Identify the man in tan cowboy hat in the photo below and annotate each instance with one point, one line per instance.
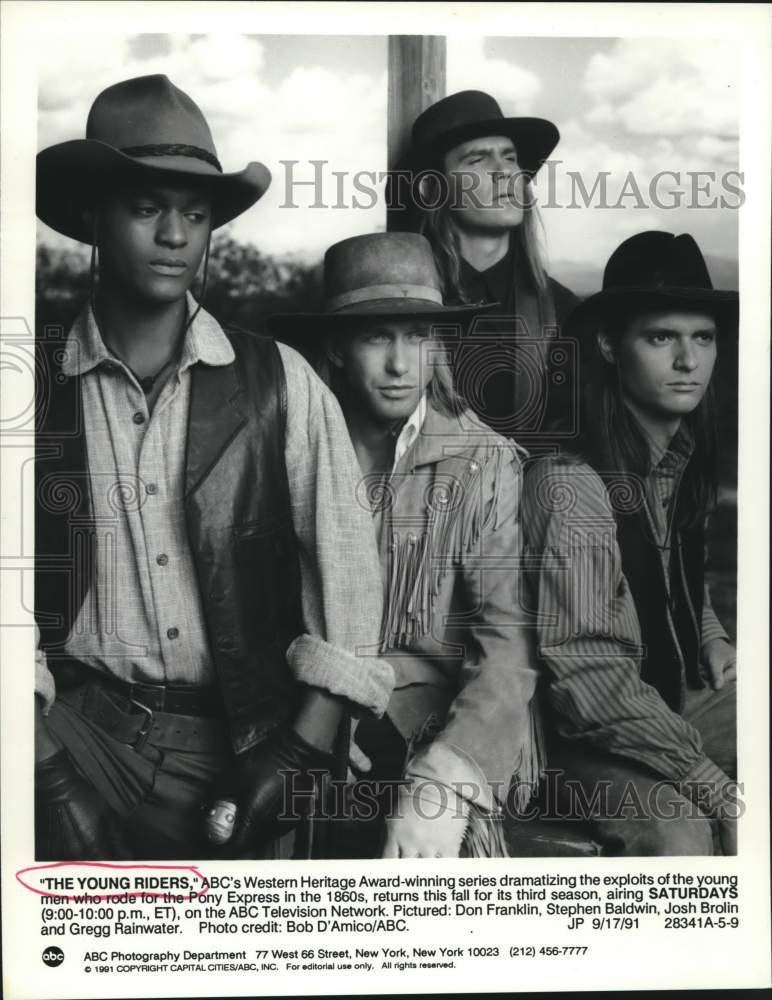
(471, 172)
(197, 522)
(444, 492)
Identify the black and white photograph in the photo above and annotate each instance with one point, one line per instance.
(380, 430)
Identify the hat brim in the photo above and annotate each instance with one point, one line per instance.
(68, 172)
(533, 138)
(301, 325)
(724, 304)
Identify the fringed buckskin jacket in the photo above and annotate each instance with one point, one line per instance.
(454, 625)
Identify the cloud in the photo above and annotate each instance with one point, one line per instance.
(587, 229)
(223, 57)
(646, 106)
(312, 112)
(469, 68)
(665, 87)
(718, 149)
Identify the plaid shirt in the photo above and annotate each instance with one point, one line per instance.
(143, 617)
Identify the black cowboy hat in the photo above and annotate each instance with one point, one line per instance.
(471, 114)
(143, 124)
(653, 269)
(378, 276)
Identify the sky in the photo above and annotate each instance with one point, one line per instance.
(622, 105)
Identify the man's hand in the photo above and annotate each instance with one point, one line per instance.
(72, 823)
(272, 780)
(45, 688)
(357, 758)
(430, 822)
(720, 660)
(727, 833)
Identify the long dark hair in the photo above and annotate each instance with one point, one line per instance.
(613, 441)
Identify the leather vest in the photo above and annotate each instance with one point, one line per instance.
(238, 517)
(670, 616)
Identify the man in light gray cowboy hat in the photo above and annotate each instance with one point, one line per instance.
(204, 573)
(444, 490)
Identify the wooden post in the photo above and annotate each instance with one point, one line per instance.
(416, 80)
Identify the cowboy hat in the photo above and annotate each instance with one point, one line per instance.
(652, 269)
(378, 276)
(471, 114)
(139, 125)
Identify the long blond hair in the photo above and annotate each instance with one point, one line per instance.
(440, 391)
(526, 241)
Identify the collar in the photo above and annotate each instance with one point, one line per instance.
(205, 341)
(440, 436)
(495, 281)
(677, 453)
(410, 430)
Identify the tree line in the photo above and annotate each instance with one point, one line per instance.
(243, 286)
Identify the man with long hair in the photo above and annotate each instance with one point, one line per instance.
(196, 517)
(470, 193)
(444, 492)
(642, 692)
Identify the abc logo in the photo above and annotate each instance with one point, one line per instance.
(53, 956)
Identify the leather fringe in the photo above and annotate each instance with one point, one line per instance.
(484, 834)
(419, 563)
(531, 761)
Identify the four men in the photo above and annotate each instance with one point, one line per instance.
(238, 568)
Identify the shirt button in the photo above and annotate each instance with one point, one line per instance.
(172, 633)
(138, 418)
(151, 488)
(162, 560)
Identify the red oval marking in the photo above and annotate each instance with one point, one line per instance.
(109, 893)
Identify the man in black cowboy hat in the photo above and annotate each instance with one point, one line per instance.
(444, 491)
(471, 171)
(642, 691)
(196, 518)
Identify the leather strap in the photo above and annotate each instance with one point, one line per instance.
(129, 721)
(199, 701)
(204, 701)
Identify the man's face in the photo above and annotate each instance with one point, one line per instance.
(386, 364)
(665, 361)
(488, 191)
(152, 237)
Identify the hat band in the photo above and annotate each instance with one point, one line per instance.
(371, 292)
(173, 149)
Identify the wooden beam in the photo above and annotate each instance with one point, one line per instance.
(416, 80)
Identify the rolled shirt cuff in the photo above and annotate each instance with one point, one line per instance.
(447, 764)
(365, 681)
(710, 788)
(712, 629)
(45, 686)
